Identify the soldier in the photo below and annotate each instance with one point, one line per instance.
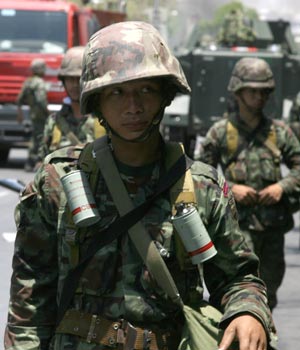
(294, 116)
(34, 94)
(236, 30)
(250, 147)
(68, 126)
(81, 282)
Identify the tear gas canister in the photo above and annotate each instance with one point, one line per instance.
(80, 198)
(193, 233)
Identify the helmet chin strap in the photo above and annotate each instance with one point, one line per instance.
(147, 133)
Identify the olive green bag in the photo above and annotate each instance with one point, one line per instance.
(201, 329)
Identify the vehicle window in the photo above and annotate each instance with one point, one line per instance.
(93, 26)
(33, 31)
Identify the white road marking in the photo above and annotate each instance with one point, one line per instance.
(9, 236)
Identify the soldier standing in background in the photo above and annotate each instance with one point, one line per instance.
(118, 301)
(250, 147)
(34, 94)
(236, 30)
(68, 126)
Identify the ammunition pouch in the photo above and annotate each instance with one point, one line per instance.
(118, 334)
(277, 217)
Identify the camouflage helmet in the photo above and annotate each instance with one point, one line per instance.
(71, 64)
(252, 73)
(127, 51)
(38, 66)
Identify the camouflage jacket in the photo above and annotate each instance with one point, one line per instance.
(116, 283)
(83, 129)
(236, 30)
(34, 94)
(255, 165)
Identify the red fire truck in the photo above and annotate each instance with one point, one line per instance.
(38, 29)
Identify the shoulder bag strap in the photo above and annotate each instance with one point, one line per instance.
(138, 234)
(109, 234)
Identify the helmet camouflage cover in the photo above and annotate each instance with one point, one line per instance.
(252, 73)
(71, 64)
(38, 66)
(127, 51)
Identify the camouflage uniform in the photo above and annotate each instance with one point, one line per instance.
(236, 30)
(116, 284)
(294, 116)
(34, 94)
(83, 128)
(252, 163)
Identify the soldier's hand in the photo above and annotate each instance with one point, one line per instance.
(245, 195)
(248, 331)
(270, 195)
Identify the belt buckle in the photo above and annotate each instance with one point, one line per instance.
(130, 335)
(91, 333)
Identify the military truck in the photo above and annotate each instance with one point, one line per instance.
(208, 70)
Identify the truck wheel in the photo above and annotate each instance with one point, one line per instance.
(4, 152)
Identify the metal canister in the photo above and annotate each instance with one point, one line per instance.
(80, 198)
(193, 234)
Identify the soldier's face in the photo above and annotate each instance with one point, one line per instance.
(253, 99)
(130, 107)
(72, 88)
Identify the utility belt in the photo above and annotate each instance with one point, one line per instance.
(118, 334)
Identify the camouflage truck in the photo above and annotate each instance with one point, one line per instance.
(208, 70)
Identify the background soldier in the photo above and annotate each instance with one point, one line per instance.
(69, 126)
(250, 147)
(34, 94)
(236, 30)
(119, 301)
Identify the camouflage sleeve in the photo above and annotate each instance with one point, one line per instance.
(44, 148)
(231, 276)
(21, 98)
(40, 94)
(209, 152)
(32, 305)
(290, 150)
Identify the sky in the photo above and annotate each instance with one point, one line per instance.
(286, 8)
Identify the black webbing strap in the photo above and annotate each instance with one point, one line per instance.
(118, 227)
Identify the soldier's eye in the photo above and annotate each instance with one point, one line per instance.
(116, 91)
(148, 89)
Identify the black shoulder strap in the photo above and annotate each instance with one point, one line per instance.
(109, 234)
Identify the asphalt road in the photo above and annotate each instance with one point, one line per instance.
(286, 314)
